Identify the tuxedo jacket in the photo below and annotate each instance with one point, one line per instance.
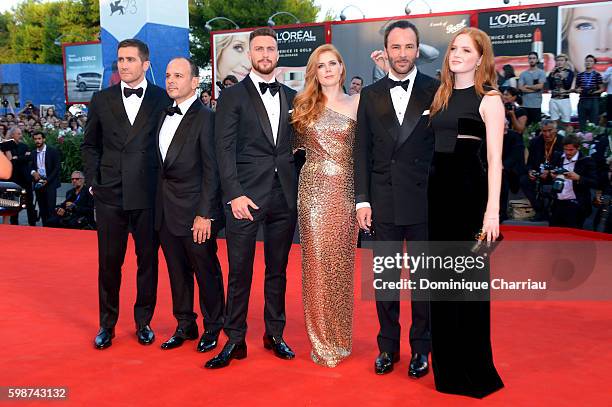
(585, 167)
(247, 155)
(52, 165)
(188, 183)
(120, 159)
(391, 160)
(22, 165)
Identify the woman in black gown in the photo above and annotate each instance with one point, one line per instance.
(467, 116)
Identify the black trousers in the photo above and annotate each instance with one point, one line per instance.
(278, 225)
(388, 308)
(31, 211)
(184, 258)
(114, 224)
(46, 198)
(567, 213)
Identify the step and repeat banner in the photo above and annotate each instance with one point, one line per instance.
(295, 44)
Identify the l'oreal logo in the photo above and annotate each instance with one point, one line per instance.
(301, 35)
(523, 18)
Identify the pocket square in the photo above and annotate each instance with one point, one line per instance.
(425, 113)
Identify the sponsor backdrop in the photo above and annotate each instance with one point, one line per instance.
(162, 24)
(586, 29)
(435, 34)
(515, 33)
(83, 70)
(295, 45)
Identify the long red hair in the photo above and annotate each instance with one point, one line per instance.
(485, 78)
(310, 102)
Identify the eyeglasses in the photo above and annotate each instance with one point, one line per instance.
(76, 179)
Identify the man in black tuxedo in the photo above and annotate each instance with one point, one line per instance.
(46, 175)
(188, 211)
(21, 158)
(121, 166)
(258, 178)
(393, 153)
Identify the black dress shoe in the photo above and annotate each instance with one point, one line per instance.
(278, 345)
(145, 335)
(230, 351)
(384, 362)
(208, 342)
(419, 365)
(103, 338)
(180, 336)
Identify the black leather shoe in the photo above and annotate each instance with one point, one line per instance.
(208, 342)
(103, 338)
(278, 345)
(145, 335)
(180, 336)
(384, 362)
(419, 365)
(230, 351)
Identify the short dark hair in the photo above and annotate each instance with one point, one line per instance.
(573, 140)
(591, 56)
(357, 77)
(195, 71)
(533, 53)
(263, 31)
(231, 78)
(37, 132)
(143, 49)
(404, 25)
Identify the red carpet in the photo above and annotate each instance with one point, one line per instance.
(551, 354)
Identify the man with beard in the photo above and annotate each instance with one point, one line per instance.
(531, 83)
(393, 151)
(45, 175)
(258, 178)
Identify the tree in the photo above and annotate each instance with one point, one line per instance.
(246, 13)
(32, 28)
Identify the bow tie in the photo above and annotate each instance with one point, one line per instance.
(127, 92)
(170, 111)
(404, 84)
(274, 87)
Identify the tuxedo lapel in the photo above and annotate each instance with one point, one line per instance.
(414, 110)
(116, 105)
(260, 109)
(284, 116)
(386, 112)
(176, 145)
(160, 123)
(144, 113)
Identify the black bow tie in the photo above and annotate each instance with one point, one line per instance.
(127, 92)
(404, 84)
(170, 111)
(274, 87)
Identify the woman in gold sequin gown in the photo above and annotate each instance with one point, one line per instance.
(324, 120)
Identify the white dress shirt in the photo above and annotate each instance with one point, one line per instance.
(271, 103)
(132, 104)
(171, 124)
(40, 161)
(400, 99)
(568, 187)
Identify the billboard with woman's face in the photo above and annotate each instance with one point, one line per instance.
(586, 29)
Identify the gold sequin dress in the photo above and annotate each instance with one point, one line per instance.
(328, 235)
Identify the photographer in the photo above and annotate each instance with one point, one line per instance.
(560, 83)
(573, 177)
(516, 115)
(45, 174)
(589, 84)
(543, 150)
(602, 156)
(77, 211)
(513, 160)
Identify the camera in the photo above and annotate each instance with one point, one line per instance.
(40, 183)
(220, 85)
(509, 106)
(5, 103)
(543, 167)
(559, 181)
